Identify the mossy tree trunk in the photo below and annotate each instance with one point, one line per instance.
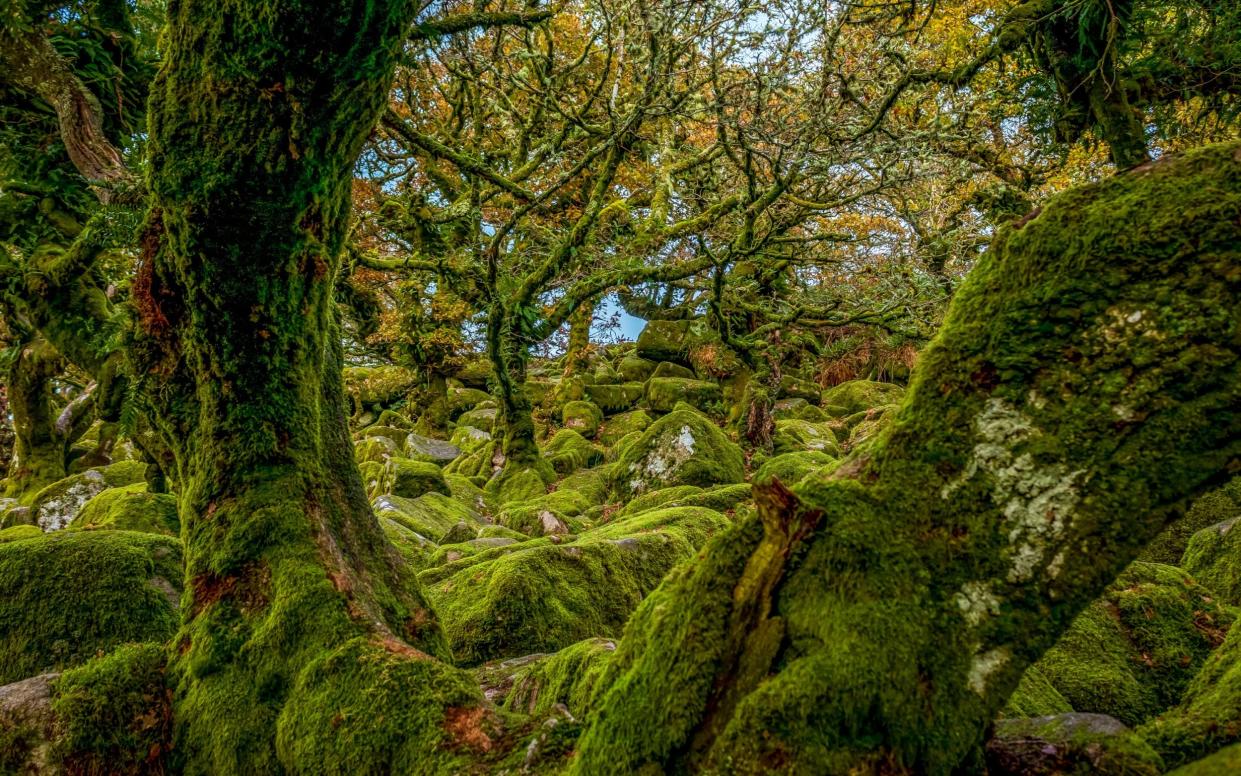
(577, 353)
(1086, 383)
(255, 119)
(509, 353)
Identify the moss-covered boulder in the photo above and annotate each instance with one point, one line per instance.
(664, 393)
(515, 484)
(393, 419)
(635, 369)
(1213, 557)
(589, 484)
(391, 433)
(436, 451)
(569, 451)
(681, 448)
(459, 399)
(374, 449)
(431, 515)
(582, 416)
(791, 467)
(411, 479)
(1035, 696)
(66, 596)
(568, 677)
(1218, 506)
(796, 436)
(1208, 716)
(114, 713)
(669, 369)
(619, 426)
(55, 506)
(540, 596)
(1069, 744)
(483, 418)
(131, 508)
(371, 386)
(1131, 653)
(19, 532)
(665, 341)
(617, 397)
(792, 386)
(859, 395)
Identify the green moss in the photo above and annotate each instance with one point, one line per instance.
(1070, 743)
(540, 596)
(1208, 716)
(393, 419)
(569, 677)
(1132, 653)
(582, 416)
(665, 341)
(367, 707)
(483, 419)
(19, 532)
(795, 436)
(55, 506)
(372, 477)
(1213, 557)
(791, 467)
(663, 393)
(569, 451)
(461, 399)
(667, 369)
(681, 448)
(421, 448)
(1035, 697)
(590, 484)
(411, 479)
(858, 396)
(374, 449)
(1225, 761)
(614, 398)
(394, 435)
(66, 596)
(370, 386)
(114, 713)
(131, 508)
(635, 369)
(655, 499)
(415, 548)
(431, 515)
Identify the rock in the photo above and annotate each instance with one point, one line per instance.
(859, 395)
(369, 386)
(68, 595)
(391, 433)
(634, 369)
(669, 369)
(431, 516)
(664, 393)
(1069, 744)
(568, 677)
(618, 426)
(1035, 697)
(681, 448)
(436, 451)
(569, 451)
(605, 374)
(484, 418)
(789, 408)
(792, 386)
(539, 390)
(798, 436)
(791, 467)
(582, 416)
(55, 506)
(374, 449)
(615, 398)
(131, 508)
(411, 479)
(393, 419)
(28, 726)
(513, 485)
(460, 532)
(500, 532)
(475, 373)
(460, 399)
(665, 341)
(589, 484)
(540, 596)
(1131, 653)
(1208, 716)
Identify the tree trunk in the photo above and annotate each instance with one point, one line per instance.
(298, 614)
(1086, 383)
(506, 347)
(577, 354)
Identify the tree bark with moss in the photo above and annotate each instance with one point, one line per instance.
(1086, 383)
(299, 619)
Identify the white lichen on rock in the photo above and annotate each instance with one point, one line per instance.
(977, 601)
(983, 665)
(56, 512)
(664, 458)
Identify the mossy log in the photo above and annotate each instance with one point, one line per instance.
(1086, 383)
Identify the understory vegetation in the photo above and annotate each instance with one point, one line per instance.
(620, 386)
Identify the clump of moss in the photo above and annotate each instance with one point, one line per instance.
(569, 677)
(1035, 696)
(619, 426)
(795, 436)
(18, 532)
(582, 416)
(791, 467)
(367, 707)
(1226, 760)
(663, 393)
(615, 398)
(431, 515)
(114, 713)
(1069, 744)
(515, 484)
(55, 506)
(131, 508)
(1209, 714)
(66, 596)
(370, 386)
(681, 448)
(374, 449)
(1131, 653)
